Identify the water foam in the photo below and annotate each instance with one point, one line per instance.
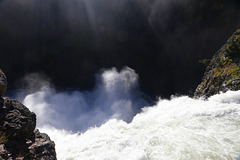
(181, 128)
(116, 96)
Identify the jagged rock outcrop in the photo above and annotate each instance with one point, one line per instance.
(223, 72)
(18, 137)
(42, 148)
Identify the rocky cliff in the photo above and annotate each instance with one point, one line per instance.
(223, 71)
(18, 137)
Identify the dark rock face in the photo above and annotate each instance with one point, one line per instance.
(15, 119)
(18, 139)
(223, 72)
(3, 83)
(43, 147)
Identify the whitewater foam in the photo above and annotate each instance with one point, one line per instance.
(178, 129)
(181, 128)
(115, 96)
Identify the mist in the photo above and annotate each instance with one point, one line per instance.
(116, 96)
(69, 41)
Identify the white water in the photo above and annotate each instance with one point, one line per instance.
(178, 129)
(115, 96)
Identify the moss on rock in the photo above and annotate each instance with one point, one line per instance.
(223, 72)
(232, 49)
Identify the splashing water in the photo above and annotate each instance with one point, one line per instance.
(116, 96)
(181, 128)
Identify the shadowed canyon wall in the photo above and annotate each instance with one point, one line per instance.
(70, 41)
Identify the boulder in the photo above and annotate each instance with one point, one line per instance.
(15, 119)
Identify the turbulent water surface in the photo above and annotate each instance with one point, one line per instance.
(181, 128)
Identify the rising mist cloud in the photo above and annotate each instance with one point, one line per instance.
(116, 96)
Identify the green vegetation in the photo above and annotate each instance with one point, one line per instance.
(236, 73)
(228, 83)
(229, 59)
(232, 51)
(224, 71)
(230, 70)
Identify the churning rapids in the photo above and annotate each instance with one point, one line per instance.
(105, 124)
